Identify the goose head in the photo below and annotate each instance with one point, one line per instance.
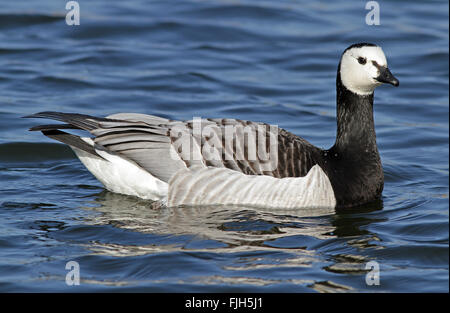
(363, 67)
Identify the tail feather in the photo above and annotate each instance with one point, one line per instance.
(71, 140)
(144, 140)
(81, 121)
(52, 127)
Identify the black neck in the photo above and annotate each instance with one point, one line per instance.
(355, 125)
(353, 163)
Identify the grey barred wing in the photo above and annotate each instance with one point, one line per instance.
(162, 146)
(247, 147)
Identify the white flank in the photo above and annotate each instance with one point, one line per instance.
(211, 186)
(120, 175)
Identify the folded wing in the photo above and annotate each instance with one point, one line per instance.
(163, 147)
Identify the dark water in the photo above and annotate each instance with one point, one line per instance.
(271, 61)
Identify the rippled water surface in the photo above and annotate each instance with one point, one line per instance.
(271, 61)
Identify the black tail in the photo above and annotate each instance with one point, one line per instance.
(74, 121)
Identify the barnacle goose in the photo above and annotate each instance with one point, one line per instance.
(195, 163)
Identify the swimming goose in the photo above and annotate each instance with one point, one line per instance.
(232, 161)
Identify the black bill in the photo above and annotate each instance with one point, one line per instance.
(387, 77)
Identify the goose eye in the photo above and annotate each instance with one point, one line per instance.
(362, 60)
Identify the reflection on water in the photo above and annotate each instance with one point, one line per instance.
(231, 226)
(302, 234)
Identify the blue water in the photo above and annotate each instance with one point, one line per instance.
(271, 61)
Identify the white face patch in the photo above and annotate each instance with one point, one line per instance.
(358, 73)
